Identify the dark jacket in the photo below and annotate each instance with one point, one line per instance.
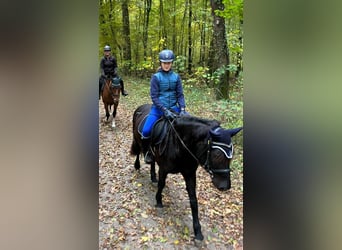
(108, 66)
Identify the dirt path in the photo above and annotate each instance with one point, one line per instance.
(127, 216)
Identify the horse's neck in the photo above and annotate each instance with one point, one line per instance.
(198, 129)
(195, 137)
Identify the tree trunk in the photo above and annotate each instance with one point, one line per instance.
(111, 21)
(181, 40)
(162, 34)
(203, 36)
(102, 18)
(219, 54)
(190, 39)
(126, 37)
(239, 55)
(174, 27)
(147, 10)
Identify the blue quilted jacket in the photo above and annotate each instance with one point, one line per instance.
(166, 90)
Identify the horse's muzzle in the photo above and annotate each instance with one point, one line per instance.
(220, 184)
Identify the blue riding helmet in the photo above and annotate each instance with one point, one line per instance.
(106, 48)
(166, 56)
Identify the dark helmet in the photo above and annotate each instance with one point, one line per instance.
(166, 56)
(106, 48)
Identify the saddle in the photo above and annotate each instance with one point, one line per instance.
(159, 130)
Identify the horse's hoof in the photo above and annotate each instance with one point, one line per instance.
(154, 180)
(198, 243)
(159, 205)
(137, 166)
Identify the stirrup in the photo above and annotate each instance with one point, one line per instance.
(148, 157)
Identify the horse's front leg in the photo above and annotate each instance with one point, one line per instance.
(161, 185)
(190, 181)
(153, 172)
(107, 111)
(137, 162)
(115, 108)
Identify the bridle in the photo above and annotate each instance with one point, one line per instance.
(108, 84)
(211, 145)
(220, 146)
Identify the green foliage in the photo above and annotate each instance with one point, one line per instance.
(233, 9)
(179, 65)
(168, 28)
(201, 74)
(143, 66)
(214, 78)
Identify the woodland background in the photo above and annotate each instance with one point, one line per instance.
(206, 37)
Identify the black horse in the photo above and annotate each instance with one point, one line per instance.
(190, 141)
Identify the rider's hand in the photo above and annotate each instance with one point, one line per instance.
(169, 115)
(183, 113)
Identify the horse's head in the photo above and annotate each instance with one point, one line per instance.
(114, 88)
(220, 155)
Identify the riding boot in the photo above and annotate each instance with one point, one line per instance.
(124, 93)
(146, 148)
(101, 90)
(101, 84)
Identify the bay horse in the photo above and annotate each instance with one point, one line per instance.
(111, 96)
(190, 141)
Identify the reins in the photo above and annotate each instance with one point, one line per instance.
(206, 165)
(180, 139)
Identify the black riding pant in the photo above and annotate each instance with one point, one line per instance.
(101, 84)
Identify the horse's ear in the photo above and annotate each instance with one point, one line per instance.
(216, 131)
(234, 131)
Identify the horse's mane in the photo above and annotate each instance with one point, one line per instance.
(198, 125)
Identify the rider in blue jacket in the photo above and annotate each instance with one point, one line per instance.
(167, 97)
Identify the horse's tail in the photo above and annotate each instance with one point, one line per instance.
(135, 148)
(138, 115)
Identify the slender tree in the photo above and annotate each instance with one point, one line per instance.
(174, 26)
(183, 23)
(147, 10)
(126, 35)
(162, 31)
(190, 38)
(203, 33)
